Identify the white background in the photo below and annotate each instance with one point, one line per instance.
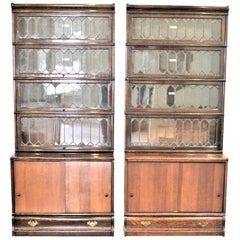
(231, 124)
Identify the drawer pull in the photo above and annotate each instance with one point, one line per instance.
(32, 223)
(146, 223)
(203, 224)
(92, 223)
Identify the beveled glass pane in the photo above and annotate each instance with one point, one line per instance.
(163, 96)
(64, 61)
(178, 29)
(174, 133)
(76, 96)
(172, 62)
(77, 132)
(64, 27)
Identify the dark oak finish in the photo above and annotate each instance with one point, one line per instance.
(63, 225)
(175, 172)
(62, 169)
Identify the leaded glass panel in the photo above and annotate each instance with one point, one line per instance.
(63, 27)
(200, 63)
(75, 96)
(73, 132)
(177, 29)
(53, 61)
(174, 132)
(174, 97)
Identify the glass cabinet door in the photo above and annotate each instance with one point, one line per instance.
(188, 29)
(64, 132)
(85, 27)
(176, 63)
(171, 133)
(62, 61)
(61, 96)
(188, 97)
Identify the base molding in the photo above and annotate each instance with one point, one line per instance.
(63, 225)
(174, 225)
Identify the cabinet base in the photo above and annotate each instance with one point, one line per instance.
(62, 225)
(174, 225)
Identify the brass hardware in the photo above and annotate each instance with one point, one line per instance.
(203, 224)
(92, 223)
(33, 223)
(146, 223)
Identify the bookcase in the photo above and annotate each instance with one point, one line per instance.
(62, 169)
(175, 170)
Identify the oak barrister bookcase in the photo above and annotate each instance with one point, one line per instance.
(175, 171)
(62, 170)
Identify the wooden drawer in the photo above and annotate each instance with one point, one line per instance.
(62, 225)
(174, 225)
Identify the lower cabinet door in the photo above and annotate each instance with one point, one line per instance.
(175, 187)
(152, 187)
(62, 187)
(88, 187)
(39, 187)
(201, 187)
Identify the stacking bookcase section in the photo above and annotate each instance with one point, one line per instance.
(62, 169)
(62, 194)
(175, 171)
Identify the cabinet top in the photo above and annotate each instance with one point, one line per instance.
(175, 157)
(48, 156)
(178, 9)
(62, 7)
